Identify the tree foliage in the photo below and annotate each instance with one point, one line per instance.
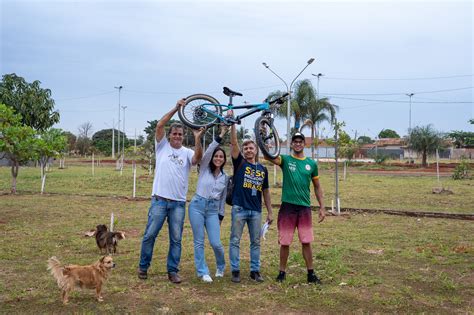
(364, 140)
(346, 146)
(424, 140)
(51, 143)
(17, 141)
(102, 140)
(32, 102)
(71, 140)
(462, 139)
(388, 133)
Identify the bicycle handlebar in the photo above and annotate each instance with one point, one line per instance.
(279, 100)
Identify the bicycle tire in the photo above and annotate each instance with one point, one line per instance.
(267, 137)
(192, 115)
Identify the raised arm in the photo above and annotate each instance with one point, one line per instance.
(234, 144)
(197, 145)
(160, 126)
(319, 195)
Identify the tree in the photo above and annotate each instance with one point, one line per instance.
(388, 133)
(17, 141)
(424, 140)
(317, 111)
(51, 143)
(33, 103)
(304, 93)
(71, 141)
(364, 140)
(347, 147)
(102, 140)
(462, 139)
(85, 129)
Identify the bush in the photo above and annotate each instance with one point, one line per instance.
(462, 170)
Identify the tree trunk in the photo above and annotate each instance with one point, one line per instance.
(15, 167)
(423, 159)
(312, 142)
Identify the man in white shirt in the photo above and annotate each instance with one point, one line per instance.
(170, 185)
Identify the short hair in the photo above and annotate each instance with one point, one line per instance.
(175, 126)
(247, 142)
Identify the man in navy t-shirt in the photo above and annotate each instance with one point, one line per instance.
(250, 183)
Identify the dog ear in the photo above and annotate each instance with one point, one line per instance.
(102, 259)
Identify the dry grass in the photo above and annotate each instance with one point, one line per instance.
(368, 263)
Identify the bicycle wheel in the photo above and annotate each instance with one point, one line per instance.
(198, 111)
(267, 137)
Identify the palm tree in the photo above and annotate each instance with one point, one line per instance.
(304, 93)
(316, 112)
(424, 140)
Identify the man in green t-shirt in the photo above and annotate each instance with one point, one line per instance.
(295, 210)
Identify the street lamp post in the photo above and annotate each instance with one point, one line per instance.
(319, 75)
(410, 95)
(123, 142)
(288, 90)
(119, 88)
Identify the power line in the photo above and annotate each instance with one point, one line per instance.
(393, 101)
(82, 97)
(401, 93)
(400, 79)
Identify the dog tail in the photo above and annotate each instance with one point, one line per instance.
(54, 265)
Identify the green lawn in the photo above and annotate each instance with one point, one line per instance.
(367, 262)
(368, 191)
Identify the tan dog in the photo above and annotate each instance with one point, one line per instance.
(71, 276)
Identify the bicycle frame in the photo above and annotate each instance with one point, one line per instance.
(254, 108)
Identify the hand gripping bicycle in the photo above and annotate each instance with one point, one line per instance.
(201, 110)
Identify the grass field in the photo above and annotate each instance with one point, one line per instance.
(369, 263)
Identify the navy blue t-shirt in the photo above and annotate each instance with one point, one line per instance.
(247, 178)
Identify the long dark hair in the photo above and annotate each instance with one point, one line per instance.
(212, 166)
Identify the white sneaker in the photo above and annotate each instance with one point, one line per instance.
(219, 273)
(206, 278)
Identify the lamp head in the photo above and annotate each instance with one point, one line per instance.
(310, 61)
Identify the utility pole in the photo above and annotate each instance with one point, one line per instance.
(113, 139)
(410, 95)
(123, 142)
(119, 88)
(337, 171)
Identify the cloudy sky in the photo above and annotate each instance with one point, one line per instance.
(371, 53)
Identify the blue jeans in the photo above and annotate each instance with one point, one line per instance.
(203, 214)
(253, 218)
(174, 212)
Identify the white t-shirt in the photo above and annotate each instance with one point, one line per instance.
(171, 171)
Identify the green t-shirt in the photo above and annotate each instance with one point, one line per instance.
(297, 178)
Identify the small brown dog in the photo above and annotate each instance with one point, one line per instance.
(71, 276)
(107, 241)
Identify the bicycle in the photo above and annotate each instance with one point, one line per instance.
(202, 110)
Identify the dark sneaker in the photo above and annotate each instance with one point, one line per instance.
(235, 276)
(173, 277)
(142, 274)
(281, 276)
(255, 275)
(313, 278)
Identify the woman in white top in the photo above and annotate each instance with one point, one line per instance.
(206, 208)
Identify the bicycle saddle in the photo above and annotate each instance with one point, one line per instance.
(229, 92)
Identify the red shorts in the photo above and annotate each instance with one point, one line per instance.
(293, 216)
